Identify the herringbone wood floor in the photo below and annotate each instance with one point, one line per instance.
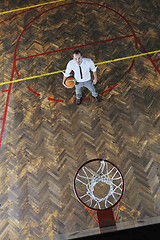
(44, 142)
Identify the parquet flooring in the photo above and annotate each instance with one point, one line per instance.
(44, 142)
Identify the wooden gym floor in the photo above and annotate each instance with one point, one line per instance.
(45, 137)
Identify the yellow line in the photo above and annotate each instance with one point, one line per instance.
(60, 71)
(33, 77)
(124, 58)
(34, 6)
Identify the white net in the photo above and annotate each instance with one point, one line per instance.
(99, 184)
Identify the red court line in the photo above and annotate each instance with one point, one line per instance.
(5, 90)
(7, 19)
(17, 72)
(156, 60)
(1, 119)
(55, 100)
(78, 46)
(149, 57)
(38, 94)
(85, 99)
(27, 87)
(136, 44)
(109, 89)
(32, 8)
(130, 68)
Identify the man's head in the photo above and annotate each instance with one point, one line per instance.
(77, 57)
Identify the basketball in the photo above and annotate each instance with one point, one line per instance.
(70, 82)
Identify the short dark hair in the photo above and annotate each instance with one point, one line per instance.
(77, 52)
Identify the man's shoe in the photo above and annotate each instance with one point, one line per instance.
(97, 99)
(78, 101)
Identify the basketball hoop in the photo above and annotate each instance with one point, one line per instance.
(99, 186)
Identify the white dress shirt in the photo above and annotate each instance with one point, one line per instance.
(87, 65)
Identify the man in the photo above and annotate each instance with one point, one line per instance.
(82, 68)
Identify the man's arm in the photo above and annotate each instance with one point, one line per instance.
(63, 82)
(95, 78)
(93, 69)
(66, 74)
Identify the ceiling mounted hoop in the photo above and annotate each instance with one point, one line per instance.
(99, 186)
